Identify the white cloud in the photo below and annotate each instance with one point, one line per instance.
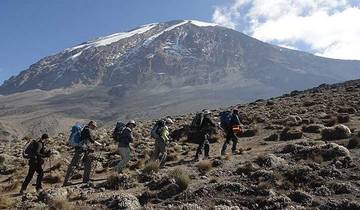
(328, 27)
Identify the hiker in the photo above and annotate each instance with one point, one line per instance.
(231, 129)
(35, 151)
(161, 134)
(206, 125)
(83, 151)
(125, 137)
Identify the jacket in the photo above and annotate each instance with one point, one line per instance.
(87, 136)
(207, 124)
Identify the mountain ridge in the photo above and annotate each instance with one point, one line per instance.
(169, 68)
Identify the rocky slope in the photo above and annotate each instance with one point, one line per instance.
(158, 69)
(298, 151)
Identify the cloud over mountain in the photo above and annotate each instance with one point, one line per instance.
(324, 27)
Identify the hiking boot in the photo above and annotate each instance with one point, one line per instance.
(196, 159)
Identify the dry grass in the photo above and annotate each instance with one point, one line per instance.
(113, 182)
(151, 167)
(204, 166)
(181, 177)
(60, 205)
(14, 186)
(228, 157)
(6, 202)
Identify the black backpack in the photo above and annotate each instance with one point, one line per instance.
(29, 149)
(197, 121)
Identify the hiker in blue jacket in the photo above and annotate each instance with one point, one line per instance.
(229, 132)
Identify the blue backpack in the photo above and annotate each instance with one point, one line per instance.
(225, 119)
(75, 136)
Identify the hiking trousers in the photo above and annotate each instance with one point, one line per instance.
(230, 136)
(87, 160)
(204, 145)
(125, 157)
(35, 165)
(159, 152)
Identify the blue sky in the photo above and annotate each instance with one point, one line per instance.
(33, 29)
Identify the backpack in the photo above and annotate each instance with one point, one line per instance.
(119, 128)
(225, 119)
(29, 150)
(155, 131)
(75, 135)
(197, 121)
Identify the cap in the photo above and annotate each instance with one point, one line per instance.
(44, 136)
(93, 123)
(131, 122)
(169, 121)
(207, 112)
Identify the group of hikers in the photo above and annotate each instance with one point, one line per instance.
(81, 138)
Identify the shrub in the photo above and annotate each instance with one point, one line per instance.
(290, 134)
(353, 143)
(60, 205)
(313, 128)
(343, 118)
(181, 177)
(151, 167)
(114, 182)
(52, 179)
(204, 166)
(336, 132)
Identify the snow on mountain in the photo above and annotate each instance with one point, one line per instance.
(150, 39)
(107, 40)
(202, 24)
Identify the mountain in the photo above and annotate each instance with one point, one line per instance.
(159, 69)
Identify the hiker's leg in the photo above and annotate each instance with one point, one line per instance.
(207, 146)
(29, 175)
(73, 164)
(235, 141)
(163, 152)
(40, 172)
(156, 151)
(88, 159)
(125, 157)
(227, 141)
(199, 149)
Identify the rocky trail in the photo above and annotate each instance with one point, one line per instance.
(298, 151)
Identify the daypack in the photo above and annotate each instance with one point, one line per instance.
(29, 150)
(119, 128)
(197, 121)
(75, 135)
(155, 131)
(225, 119)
